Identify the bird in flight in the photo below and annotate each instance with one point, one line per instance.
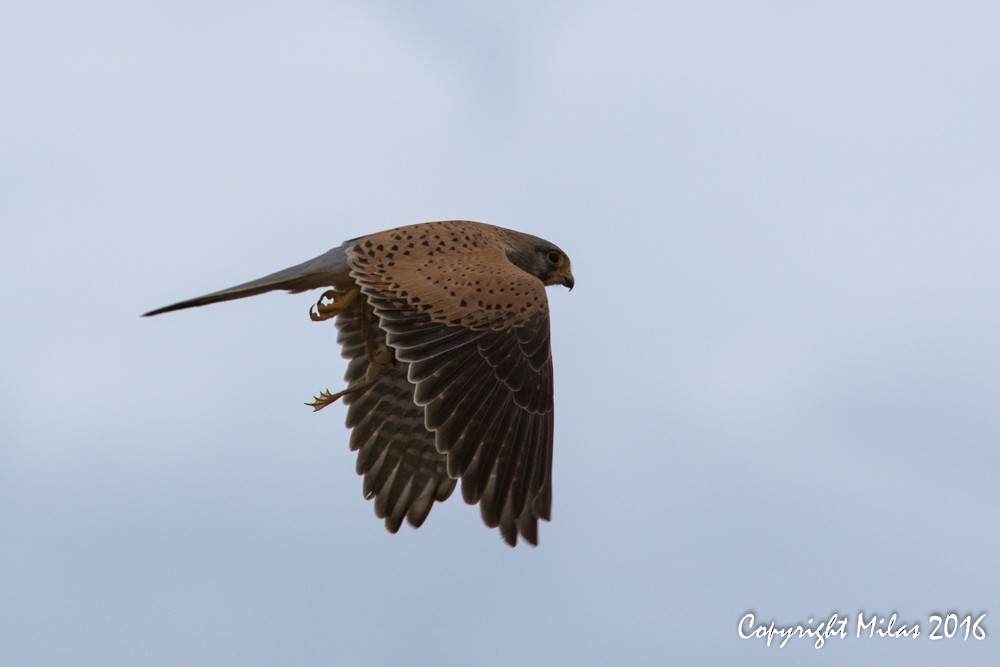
(446, 326)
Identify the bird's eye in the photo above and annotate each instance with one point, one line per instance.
(554, 257)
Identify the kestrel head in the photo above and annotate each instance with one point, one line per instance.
(542, 259)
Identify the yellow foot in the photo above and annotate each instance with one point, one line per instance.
(337, 302)
(325, 398)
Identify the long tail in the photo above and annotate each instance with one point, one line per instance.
(328, 270)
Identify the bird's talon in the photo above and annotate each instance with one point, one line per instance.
(338, 303)
(325, 398)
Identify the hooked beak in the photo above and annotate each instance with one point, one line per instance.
(568, 280)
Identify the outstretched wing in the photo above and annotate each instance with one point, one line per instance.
(473, 330)
(403, 471)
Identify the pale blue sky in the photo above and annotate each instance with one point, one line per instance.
(777, 379)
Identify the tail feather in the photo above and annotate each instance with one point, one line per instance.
(328, 270)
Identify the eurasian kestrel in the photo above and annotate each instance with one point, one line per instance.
(446, 326)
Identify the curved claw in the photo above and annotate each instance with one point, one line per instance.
(325, 398)
(338, 303)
